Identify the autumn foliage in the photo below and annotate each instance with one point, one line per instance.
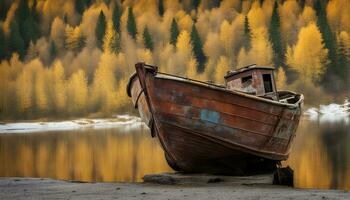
(64, 58)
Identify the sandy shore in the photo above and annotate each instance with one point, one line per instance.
(33, 188)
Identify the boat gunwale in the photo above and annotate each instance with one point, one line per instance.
(218, 87)
(243, 106)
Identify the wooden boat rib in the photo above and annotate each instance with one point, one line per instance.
(203, 127)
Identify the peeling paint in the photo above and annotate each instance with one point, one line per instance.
(211, 116)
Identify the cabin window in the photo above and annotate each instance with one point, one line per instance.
(247, 85)
(267, 83)
(247, 79)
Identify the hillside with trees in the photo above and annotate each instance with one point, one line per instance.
(73, 58)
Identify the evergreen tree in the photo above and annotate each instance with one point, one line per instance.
(261, 2)
(302, 4)
(131, 24)
(161, 7)
(240, 6)
(28, 21)
(197, 49)
(16, 43)
(34, 13)
(174, 32)
(247, 34)
(117, 14)
(24, 23)
(88, 2)
(65, 18)
(30, 30)
(100, 30)
(3, 10)
(107, 2)
(275, 37)
(329, 41)
(53, 51)
(79, 6)
(147, 39)
(23, 10)
(2, 44)
(213, 4)
(195, 4)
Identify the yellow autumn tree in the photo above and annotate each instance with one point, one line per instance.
(343, 38)
(309, 56)
(256, 16)
(289, 12)
(108, 37)
(183, 44)
(212, 46)
(191, 71)
(338, 14)
(111, 40)
(226, 37)
(58, 87)
(221, 69)
(104, 96)
(40, 88)
(281, 79)
(24, 91)
(77, 92)
(261, 51)
(145, 55)
(9, 73)
(74, 38)
(5, 88)
(184, 20)
(183, 53)
(242, 58)
(123, 99)
(308, 15)
(31, 89)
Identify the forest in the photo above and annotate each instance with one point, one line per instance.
(73, 58)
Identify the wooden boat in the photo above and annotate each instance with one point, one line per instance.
(245, 127)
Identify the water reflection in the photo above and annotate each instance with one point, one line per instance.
(320, 155)
(87, 155)
(336, 139)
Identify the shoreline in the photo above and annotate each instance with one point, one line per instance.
(132, 113)
(42, 188)
(67, 125)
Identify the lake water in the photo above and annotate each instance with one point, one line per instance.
(320, 153)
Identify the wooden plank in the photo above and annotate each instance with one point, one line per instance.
(225, 133)
(233, 121)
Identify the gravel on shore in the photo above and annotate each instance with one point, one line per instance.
(36, 188)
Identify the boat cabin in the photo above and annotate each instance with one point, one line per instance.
(253, 79)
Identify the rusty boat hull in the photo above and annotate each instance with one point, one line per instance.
(206, 128)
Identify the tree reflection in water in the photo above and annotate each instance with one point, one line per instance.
(85, 155)
(320, 155)
(336, 139)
